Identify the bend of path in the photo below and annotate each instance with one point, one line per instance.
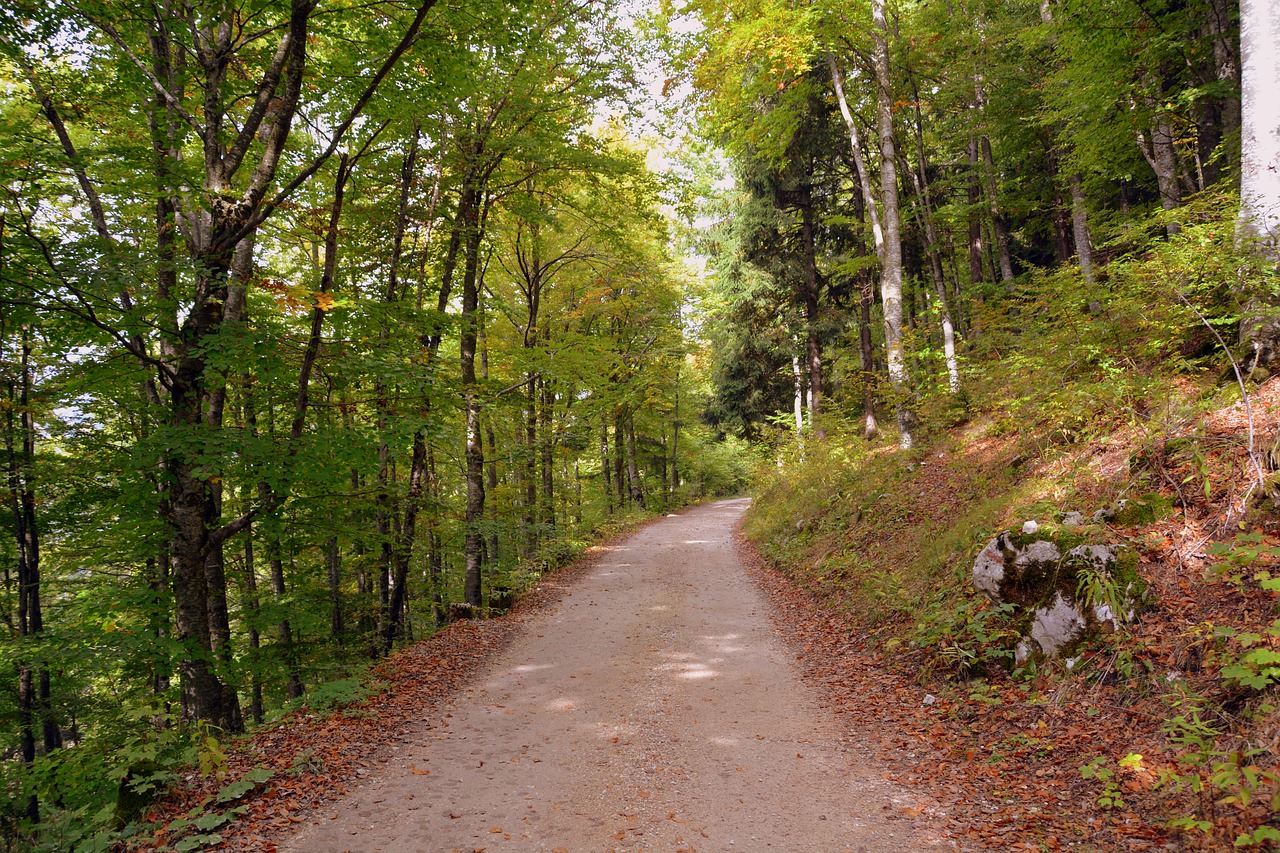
(651, 708)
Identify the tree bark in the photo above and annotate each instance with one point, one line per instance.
(633, 470)
(891, 272)
(866, 356)
(605, 470)
(797, 383)
(812, 315)
(1080, 227)
(333, 562)
(474, 452)
(252, 607)
(855, 146)
(619, 458)
(976, 249)
(1259, 221)
(33, 675)
(933, 252)
(998, 223)
(546, 414)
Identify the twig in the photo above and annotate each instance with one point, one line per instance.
(1261, 481)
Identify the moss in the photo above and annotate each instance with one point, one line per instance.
(1144, 509)
(1126, 575)
(1064, 538)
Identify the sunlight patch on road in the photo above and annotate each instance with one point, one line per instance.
(533, 667)
(684, 669)
(562, 704)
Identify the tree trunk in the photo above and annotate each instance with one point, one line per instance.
(891, 273)
(976, 249)
(812, 316)
(402, 548)
(855, 146)
(797, 382)
(435, 556)
(619, 458)
(866, 355)
(529, 515)
(333, 561)
(675, 440)
(933, 253)
(1258, 223)
(1080, 227)
(633, 471)
(1259, 220)
(252, 607)
(1227, 67)
(547, 448)
(1162, 157)
(998, 223)
(33, 676)
(474, 453)
(491, 466)
(604, 465)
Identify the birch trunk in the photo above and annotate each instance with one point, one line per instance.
(1259, 220)
(1258, 224)
(891, 272)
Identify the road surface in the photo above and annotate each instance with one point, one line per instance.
(651, 708)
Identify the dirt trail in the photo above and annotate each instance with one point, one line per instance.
(650, 709)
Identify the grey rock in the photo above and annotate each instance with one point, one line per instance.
(1057, 625)
(1030, 571)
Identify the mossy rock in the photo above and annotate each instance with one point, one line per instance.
(1144, 509)
(1065, 587)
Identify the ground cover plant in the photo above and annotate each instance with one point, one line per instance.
(1162, 732)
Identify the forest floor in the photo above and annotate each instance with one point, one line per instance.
(641, 701)
(1147, 742)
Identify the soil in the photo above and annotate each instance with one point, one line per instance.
(651, 707)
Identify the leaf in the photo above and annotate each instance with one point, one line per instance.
(196, 842)
(213, 820)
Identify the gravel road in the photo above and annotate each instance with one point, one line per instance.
(651, 708)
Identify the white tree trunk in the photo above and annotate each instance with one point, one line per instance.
(1080, 227)
(891, 270)
(864, 177)
(798, 379)
(1260, 124)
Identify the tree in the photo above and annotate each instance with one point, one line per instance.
(1258, 222)
(1260, 130)
(891, 272)
(243, 145)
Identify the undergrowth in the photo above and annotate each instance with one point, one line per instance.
(1078, 395)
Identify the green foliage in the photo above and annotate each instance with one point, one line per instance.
(1252, 659)
(1230, 779)
(968, 637)
(335, 694)
(1109, 797)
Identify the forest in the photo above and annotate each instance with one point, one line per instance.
(324, 325)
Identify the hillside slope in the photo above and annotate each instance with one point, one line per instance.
(1163, 735)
